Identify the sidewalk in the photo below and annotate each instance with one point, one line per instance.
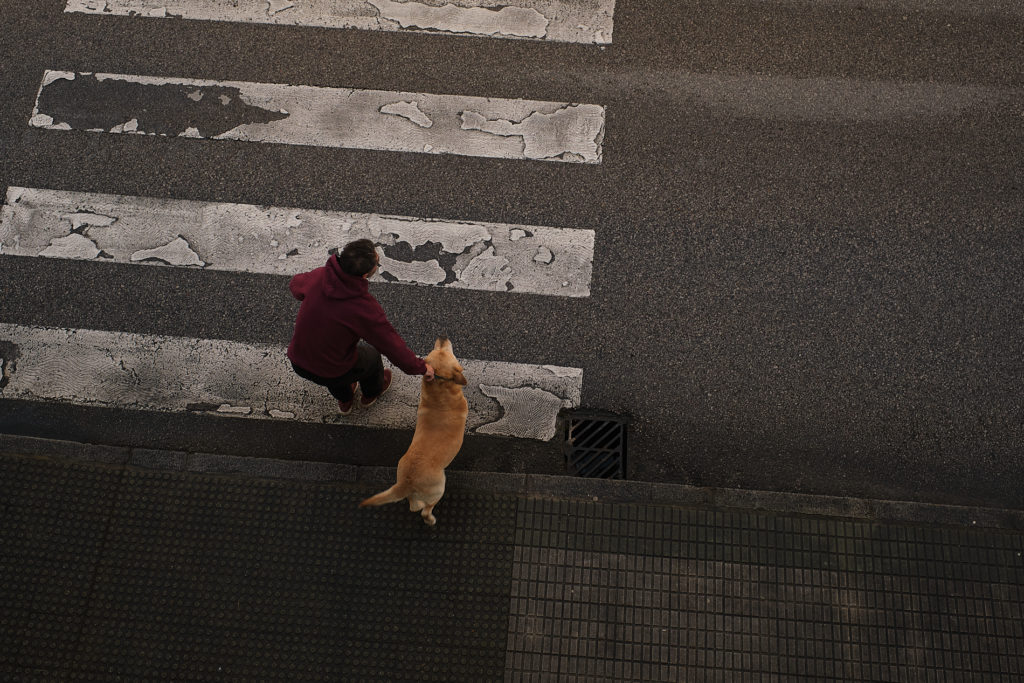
(119, 564)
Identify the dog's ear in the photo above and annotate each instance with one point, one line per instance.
(459, 378)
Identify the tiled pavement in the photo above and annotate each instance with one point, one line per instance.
(121, 564)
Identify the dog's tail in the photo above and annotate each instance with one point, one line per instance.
(392, 495)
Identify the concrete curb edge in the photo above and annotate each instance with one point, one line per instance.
(529, 485)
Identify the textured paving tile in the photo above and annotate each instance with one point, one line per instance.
(52, 536)
(651, 593)
(265, 579)
(143, 574)
(167, 575)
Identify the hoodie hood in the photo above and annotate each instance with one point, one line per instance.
(337, 284)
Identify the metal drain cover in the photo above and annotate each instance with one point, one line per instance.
(596, 445)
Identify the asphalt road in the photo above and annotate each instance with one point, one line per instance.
(808, 269)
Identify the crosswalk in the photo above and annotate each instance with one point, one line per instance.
(146, 372)
(495, 257)
(321, 117)
(554, 20)
(180, 374)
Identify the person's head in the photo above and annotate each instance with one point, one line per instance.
(359, 258)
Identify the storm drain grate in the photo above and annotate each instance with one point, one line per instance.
(596, 446)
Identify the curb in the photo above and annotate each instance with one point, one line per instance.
(530, 485)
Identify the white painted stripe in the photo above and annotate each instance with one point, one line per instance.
(180, 374)
(284, 241)
(557, 20)
(322, 117)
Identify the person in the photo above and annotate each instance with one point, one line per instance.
(336, 319)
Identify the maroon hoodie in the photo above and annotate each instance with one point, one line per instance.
(337, 311)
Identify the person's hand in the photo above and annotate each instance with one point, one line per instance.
(429, 374)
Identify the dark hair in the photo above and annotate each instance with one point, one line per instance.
(358, 258)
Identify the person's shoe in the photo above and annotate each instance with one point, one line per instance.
(367, 402)
(346, 406)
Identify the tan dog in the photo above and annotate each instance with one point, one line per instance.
(440, 425)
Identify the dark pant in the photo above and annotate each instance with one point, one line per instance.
(368, 372)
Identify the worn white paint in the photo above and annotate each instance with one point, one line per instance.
(177, 252)
(409, 110)
(344, 117)
(180, 374)
(516, 22)
(577, 21)
(528, 411)
(72, 246)
(284, 241)
(543, 134)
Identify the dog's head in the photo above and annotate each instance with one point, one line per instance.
(446, 365)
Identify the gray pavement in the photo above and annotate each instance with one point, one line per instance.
(807, 276)
(807, 280)
(136, 564)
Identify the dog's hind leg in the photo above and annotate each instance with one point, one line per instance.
(428, 516)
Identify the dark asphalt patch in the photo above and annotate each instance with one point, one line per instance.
(88, 102)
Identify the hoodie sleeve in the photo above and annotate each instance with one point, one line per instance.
(300, 284)
(379, 333)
